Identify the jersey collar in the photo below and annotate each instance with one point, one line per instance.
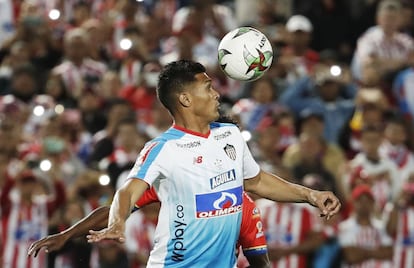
(192, 132)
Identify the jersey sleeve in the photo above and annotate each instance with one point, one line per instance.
(251, 238)
(149, 196)
(152, 163)
(250, 166)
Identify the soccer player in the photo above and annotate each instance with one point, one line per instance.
(201, 186)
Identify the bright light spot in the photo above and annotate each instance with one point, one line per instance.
(59, 109)
(335, 70)
(8, 99)
(125, 44)
(38, 110)
(246, 135)
(104, 180)
(45, 165)
(140, 0)
(54, 14)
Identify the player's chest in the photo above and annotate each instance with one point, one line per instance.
(211, 164)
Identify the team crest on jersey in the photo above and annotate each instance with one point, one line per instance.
(230, 151)
(219, 203)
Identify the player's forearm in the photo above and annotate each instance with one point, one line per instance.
(120, 208)
(125, 197)
(354, 255)
(275, 188)
(97, 219)
(382, 253)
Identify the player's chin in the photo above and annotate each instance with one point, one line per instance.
(215, 116)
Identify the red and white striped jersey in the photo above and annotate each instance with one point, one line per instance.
(401, 156)
(139, 233)
(78, 78)
(353, 234)
(374, 43)
(387, 180)
(22, 226)
(404, 241)
(287, 225)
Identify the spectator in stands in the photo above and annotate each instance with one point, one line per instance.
(24, 84)
(402, 90)
(128, 142)
(216, 19)
(322, 92)
(394, 147)
(383, 45)
(312, 156)
(78, 72)
(297, 58)
(362, 237)
(371, 107)
(140, 229)
(259, 103)
(103, 141)
(382, 172)
(25, 213)
(400, 225)
(292, 232)
(331, 155)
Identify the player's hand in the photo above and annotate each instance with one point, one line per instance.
(326, 201)
(50, 243)
(116, 233)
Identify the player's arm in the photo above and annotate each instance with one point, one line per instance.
(354, 255)
(258, 261)
(124, 200)
(97, 219)
(277, 189)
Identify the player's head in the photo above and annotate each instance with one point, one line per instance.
(175, 79)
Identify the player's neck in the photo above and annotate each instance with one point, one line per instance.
(190, 125)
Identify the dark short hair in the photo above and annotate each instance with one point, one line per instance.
(173, 78)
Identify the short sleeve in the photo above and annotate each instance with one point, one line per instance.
(250, 166)
(152, 163)
(251, 238)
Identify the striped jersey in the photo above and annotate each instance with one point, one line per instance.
(199, 181)
(404, 241)
(287, 225)
(351, 234)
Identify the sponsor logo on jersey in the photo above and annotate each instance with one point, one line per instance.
(219, 203)
(222, 178)
(178, 235)
(189, 144)
(230, 151)
(222, 135)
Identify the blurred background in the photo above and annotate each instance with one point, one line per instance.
(334, 112)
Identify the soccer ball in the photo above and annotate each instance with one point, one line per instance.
(245, 54)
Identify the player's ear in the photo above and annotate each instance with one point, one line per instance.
(185, 99)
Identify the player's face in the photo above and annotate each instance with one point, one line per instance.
(205, 98)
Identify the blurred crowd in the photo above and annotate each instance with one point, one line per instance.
(335, 112)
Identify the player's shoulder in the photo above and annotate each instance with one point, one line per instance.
(170, 134)
(217, 125)
(160, 142)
